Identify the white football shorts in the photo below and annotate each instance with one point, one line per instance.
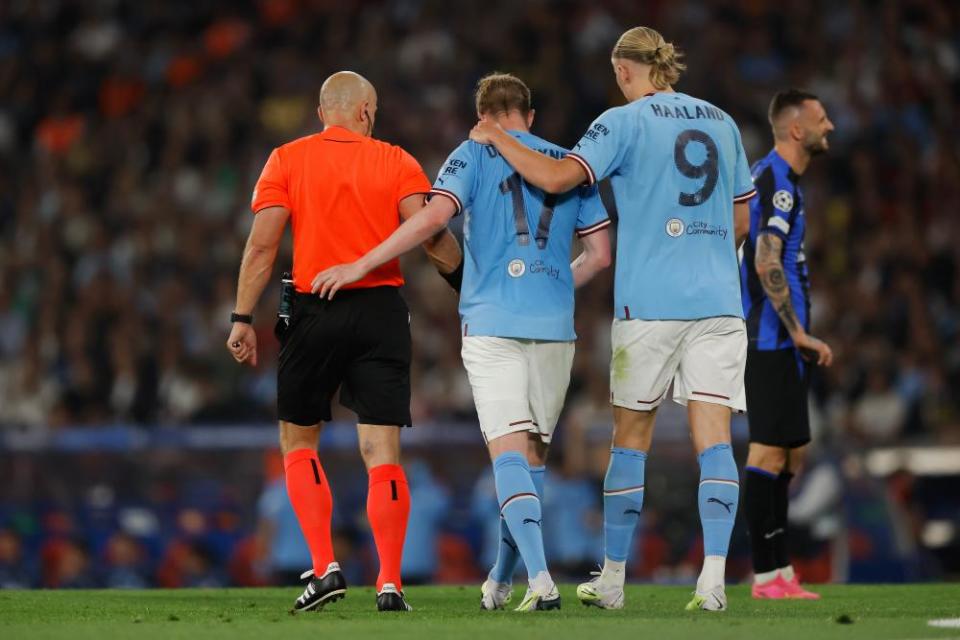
(518, 385)
(704, 359)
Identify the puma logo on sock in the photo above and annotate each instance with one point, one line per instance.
(531, 521)
(725, 505)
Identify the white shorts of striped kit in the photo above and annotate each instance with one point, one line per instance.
(518, 385)
(704, 360)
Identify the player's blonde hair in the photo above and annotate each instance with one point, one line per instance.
(502, 93)
(647, 46)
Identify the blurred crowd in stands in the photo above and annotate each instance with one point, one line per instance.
(131, 134)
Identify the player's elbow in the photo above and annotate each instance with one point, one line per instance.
(435, 221)
(602, 259)
(555, 183)
(741, 228)
(258, 249)
(552, 185)
(763, 268)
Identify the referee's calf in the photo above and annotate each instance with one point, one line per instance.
(344, 192)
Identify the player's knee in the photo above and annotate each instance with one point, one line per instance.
(634, 434)
(771, 459)
(796, 460)
(537, 451)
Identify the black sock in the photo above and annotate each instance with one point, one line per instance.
(759, 492)
(781, 502)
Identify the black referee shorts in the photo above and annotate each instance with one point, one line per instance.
(358, 342)
(777, 398)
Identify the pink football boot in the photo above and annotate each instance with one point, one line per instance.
(769, 590)
(793, 590)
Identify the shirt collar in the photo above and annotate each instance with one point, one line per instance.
(791, 174)
(341, 134)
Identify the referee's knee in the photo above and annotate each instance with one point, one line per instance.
(294, 436)
(379, 444)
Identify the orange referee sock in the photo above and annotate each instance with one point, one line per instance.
(312, 502)
(388, 507)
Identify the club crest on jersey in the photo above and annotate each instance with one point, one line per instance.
(674, 227)
(783, 200)
(516, 268)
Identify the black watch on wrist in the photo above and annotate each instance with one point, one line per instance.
(245, 318)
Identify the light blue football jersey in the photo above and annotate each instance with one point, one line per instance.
(676, 165)
(517, 281)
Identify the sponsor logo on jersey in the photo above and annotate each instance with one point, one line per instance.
(674, 227)
(701, 228)
(596, 131)
(516, 268)
(539, 266)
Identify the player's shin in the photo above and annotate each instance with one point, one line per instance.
(718, 497)
(507, 553)
(520, 509)
(781, 505)
(759, 501)
(622, 502)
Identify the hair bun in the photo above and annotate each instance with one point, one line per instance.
(664, 53)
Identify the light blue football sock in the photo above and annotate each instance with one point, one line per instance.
(507, 553)
(520, 508)
(718, 498)
(622, 501)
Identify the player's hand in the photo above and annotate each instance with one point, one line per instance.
(328, 282)
(484, 131)
(814, 350)
(242, 343)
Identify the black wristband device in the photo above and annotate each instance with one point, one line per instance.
(245, 318)
(455, 277)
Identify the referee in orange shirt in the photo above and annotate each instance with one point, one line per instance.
(344, 192)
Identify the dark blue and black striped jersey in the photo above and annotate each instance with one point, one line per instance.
(777, 209)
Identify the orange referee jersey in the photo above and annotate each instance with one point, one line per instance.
(343, 192)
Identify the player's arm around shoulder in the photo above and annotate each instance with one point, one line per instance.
(546, 173)
(442, 247)
(429, 221)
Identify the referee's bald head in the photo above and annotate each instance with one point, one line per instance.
(344, 90)
(349, 100)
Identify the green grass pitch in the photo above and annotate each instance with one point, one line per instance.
(652, 612)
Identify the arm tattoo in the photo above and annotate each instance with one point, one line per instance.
(774, 281)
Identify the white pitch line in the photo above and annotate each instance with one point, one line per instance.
(945, 623)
